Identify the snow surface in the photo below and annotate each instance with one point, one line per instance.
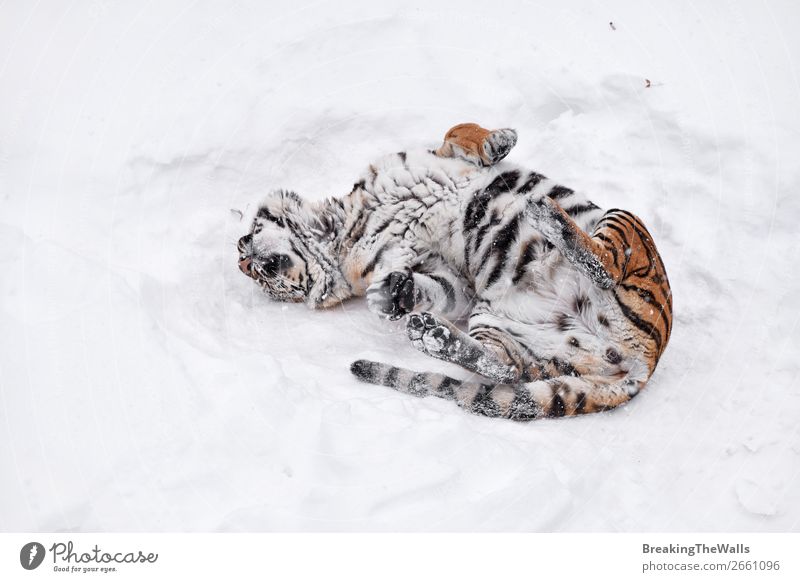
(145, 384)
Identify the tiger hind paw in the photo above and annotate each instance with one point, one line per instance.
(497, 145)
(430, 335)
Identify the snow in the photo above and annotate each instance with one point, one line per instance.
(146, 385)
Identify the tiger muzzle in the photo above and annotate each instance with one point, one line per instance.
(246, 266)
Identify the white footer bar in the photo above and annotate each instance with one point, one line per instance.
(401, 557)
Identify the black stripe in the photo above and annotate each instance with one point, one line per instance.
(505, 182)
(582, 302)
(448, 290)
(635, 220)
(660, 263)
(267, 215)
(447, 388)
(528, 254)
(635, 224)
(637, 321)
(618, 222)
(617, 226)
(643, 271)
(483, 262)
(483, 403)
(649, 298)
(644, 237)
(559, 192)
(564, 322)
(501, 244)
(568, 229)
(493, 221)
(523, 406)
(467, 247)
(391, 377)
(371, 265)
(383, 226)
(643, 293)
(622, 234)
(581, 208)
(530, 183)
(364, 370)
(361, 224)
(476, 210)
(580, 402)
(609, 247)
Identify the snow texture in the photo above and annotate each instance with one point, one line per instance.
(146, 385)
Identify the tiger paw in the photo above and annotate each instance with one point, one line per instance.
(429, 335)
(393, 296)
(497, 145)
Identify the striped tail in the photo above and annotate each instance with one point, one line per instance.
(555, 397)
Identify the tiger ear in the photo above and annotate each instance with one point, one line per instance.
(284, 208)
(273, 207)
(324, 228)
(325, 222)
(293, 206)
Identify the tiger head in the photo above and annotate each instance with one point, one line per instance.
(288, 252)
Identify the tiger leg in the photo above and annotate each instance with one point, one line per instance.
(552, 398)
(429, 285)
(622, 255)
(599, 256)
(474, 144)
(438, 338)
(441, 292)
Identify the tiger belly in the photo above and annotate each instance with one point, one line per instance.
(556, 313)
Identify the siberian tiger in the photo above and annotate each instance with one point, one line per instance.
(568, 306)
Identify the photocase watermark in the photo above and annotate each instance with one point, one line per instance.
(31, 555)
(67, 559)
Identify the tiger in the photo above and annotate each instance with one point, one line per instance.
(566, 308)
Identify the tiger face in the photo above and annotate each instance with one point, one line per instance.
(283, 275)
(269, 254)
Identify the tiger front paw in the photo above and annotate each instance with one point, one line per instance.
(497, 145)
(393, 296)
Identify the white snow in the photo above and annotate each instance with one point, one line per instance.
(146, 385)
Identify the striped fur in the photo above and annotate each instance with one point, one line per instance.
(550, 398)
(568, 307)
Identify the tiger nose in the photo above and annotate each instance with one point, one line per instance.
(244, 265)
